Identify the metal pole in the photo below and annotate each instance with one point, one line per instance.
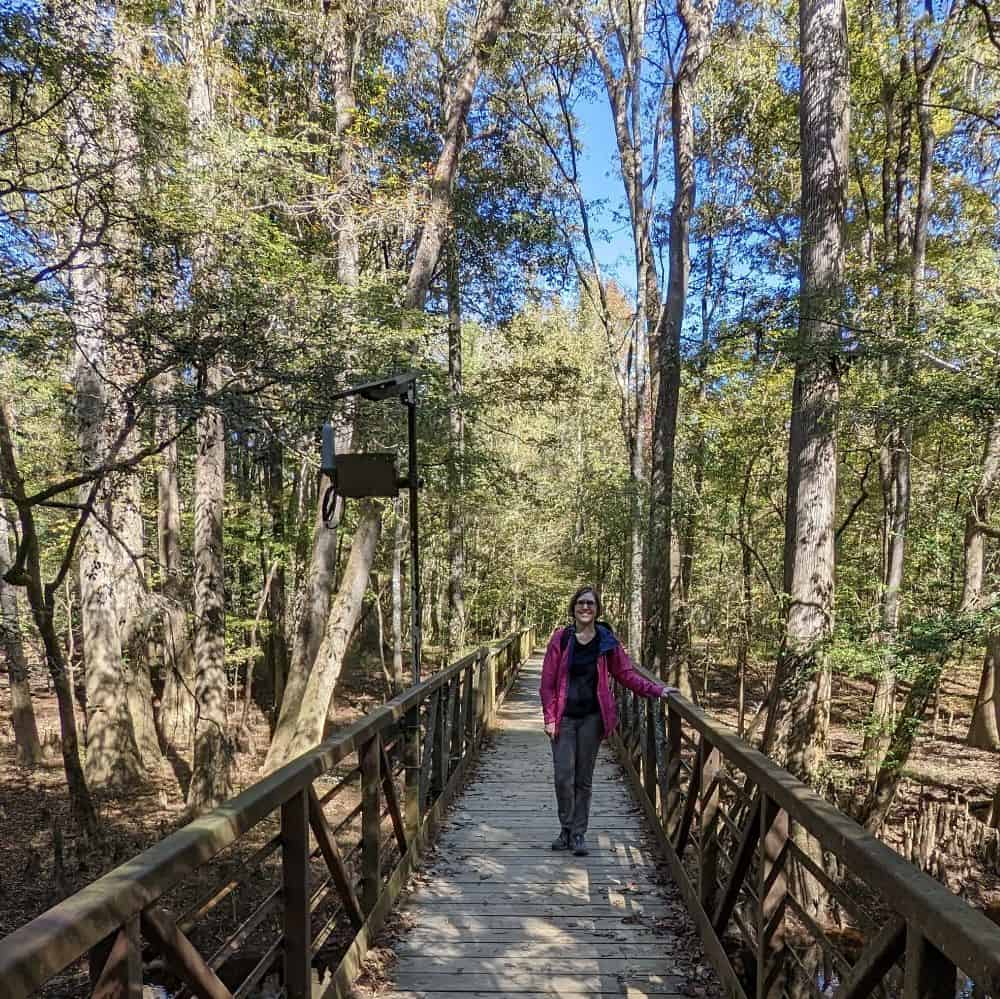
(414, 483)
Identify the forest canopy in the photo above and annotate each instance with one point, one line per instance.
(703, 298)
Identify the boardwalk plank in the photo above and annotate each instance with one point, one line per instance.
(498, 913)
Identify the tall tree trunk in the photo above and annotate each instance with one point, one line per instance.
(277, 641)
(28, 749)
(895, 457)
(984, 729)
(27, 572)
(342, 622)
(890, 772)
(313, 617)
(456, 458)
(211, 776)
(894, 465)
(340, 63)
(697, 22)
(177, 707)
(112, 753)
(436, 218)
(798, 718)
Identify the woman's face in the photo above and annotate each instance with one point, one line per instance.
(585, 608)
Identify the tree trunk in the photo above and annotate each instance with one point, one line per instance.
(698, 26)
(28, 749)
(894, 464)
(890, 771)
(436, 218)
(343, 619)
(177, 707)
(313, 617)
(112, 753)
(277, 641)
(211, 776)
(984, 729)
(456, 459)
(27, 571)
(340, 65)
(798, 719)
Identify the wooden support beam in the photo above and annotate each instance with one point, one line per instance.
(471, 676)
(684, 829)
(673, 780)
(490, 674)
(295, 895)
(708, 823)
(439, 765)
(874, 962)
(928, 974)
(654, 707)
(427, 754)
(392, 801)
(741, 867)
(120, 976)
(334, 860)
(371, 820)
(772, 894)
(411, 764)
(181, 956)
(457, 733)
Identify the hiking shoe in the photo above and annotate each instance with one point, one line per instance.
(561, 842)
(579, 846)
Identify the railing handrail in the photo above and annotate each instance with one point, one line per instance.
(960, 931)
(56, 938)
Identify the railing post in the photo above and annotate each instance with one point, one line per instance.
(439, 767)
(708, 861)
(649, 750)
(772, 894)
(928, 973)
(470, 706)
(411, 764)
(295, 894)
(490, 674)
(120, 976)
(457, 723)
(671, 812)
(371, 820)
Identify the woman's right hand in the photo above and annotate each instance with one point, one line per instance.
(550, 729)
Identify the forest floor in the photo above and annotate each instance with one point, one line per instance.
(942, 777)
(34, 874)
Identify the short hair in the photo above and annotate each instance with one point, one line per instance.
(579, 593)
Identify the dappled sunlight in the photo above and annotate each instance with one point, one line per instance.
(500, 912)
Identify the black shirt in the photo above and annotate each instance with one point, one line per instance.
(581, 694)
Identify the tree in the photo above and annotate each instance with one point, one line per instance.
(658, 656)
(799, 710)
(28, 749)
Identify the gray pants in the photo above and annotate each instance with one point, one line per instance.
(574, 754)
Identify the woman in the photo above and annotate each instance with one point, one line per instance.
(579, 708)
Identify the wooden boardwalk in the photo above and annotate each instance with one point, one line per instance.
(499, 913)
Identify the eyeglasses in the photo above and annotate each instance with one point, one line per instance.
(586, 603)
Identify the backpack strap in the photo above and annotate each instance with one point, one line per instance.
(564, 638)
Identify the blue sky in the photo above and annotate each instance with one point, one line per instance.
(601, 180)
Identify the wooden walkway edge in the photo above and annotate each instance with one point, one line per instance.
(499, 913)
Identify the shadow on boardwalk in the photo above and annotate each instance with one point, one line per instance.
(498, 913)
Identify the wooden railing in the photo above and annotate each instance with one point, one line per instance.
(790, 896)
(288, 895)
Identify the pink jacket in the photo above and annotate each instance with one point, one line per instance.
(611, 658)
